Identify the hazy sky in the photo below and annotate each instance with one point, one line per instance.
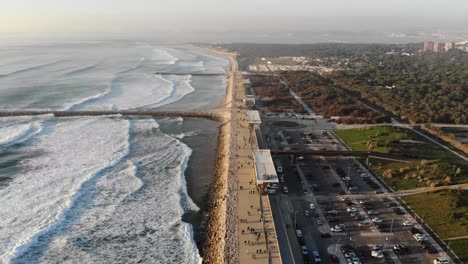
(134, 16)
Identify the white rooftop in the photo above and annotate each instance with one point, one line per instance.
(254, 117)
(264, 167)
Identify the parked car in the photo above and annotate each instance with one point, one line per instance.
(304, 250)
(337, 230)
(316, 255)
(376, 254)
(319, 222)
(400, 249)
(408, 223)
(298, 233)
(307, 213)
(415, 230)
(372, 212)
(285, 189)
(364, 224)
(441, 261)
(325, 235)
(312, 206)
(377, 220)
(419, 237)
(430, 249)
(359, 217)
(352, 209)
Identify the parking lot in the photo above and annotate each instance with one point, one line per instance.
(334, 210)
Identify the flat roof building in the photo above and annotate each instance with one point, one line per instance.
(265, 170)
(254, 117)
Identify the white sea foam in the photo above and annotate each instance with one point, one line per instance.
(134, 215)
(45, 189)
(163, 56)
(11, 133)
(184, 135)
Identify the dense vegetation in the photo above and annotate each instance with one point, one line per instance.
(427, 164)
(273, 95)
(419, 88)
(328, 101)
(250, 51)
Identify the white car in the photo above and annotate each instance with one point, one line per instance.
(352, 209)
(337, 230)
(376, 254)
(298, 233)
(419, 237)
(347, 178)
(364, 224)
(363, 201)
(408, 223)
(441, 261)
(377, 220)
(319, 222)
(312, 206)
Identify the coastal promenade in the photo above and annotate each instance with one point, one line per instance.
(257, 235)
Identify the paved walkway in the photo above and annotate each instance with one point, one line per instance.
(257, 237)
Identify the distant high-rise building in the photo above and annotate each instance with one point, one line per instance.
(449, 46)
(428, 46)
(439, 47)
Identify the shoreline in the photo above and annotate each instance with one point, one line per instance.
(221, 232)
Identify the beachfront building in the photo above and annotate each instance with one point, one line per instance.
(254, 117)
(250, 100)
(265, 170)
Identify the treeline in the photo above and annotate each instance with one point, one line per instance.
(273, 95)
(249, 51)
(422, 89)
(328, 101)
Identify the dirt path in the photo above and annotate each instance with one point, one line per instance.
(432, 189)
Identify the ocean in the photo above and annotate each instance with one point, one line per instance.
(108, 189)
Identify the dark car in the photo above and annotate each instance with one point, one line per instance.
(325, 235)
(430, 249)
(400, 249)
(414, 230)
(398, 211)
(425, 243)
(359, 217)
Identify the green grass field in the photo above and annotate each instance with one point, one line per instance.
(460, 247)
(445, 211)
(430, 165)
